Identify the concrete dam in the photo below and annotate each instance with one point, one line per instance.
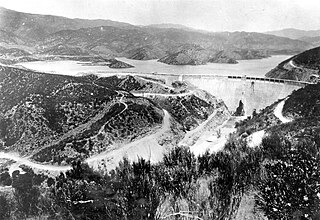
(255, 92)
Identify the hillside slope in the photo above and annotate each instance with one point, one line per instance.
(294, 33)
(62, 117)
(302, 67)
(43, 34)
(58, 118)
(34, 27)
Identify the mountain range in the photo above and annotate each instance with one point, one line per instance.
(293, 33)
(38, 34)
(117, 139)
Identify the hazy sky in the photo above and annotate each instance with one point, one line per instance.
(213, 15)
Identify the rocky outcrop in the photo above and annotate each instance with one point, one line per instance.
(240, 109)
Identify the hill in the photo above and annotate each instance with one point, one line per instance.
(315, 41)
(169, 25)
(187, 55)
(241, 182)
(289, 143)
(147, 52)
(304, 67)
(58, 118)
(56, 35)
(150, 43)
(294, 33)
(33, 27)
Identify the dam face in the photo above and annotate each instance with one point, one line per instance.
(254, 94)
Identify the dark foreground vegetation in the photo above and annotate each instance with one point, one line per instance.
(284, 175)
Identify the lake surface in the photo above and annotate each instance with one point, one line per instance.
(244, 67)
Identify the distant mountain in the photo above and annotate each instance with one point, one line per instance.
(196, 55)
(103, 39)
(231, 40)
(35, 27)
(222, 57)
(304, 67)
(64, 50)
(187, 55)
(155, 43)
(312, 40)
(54, 35)
(147, 52)
(12, 52)
(169, 25)
(246, 54)
(7, 38)
(294, 33)
(269, 43)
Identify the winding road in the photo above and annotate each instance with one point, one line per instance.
(162, 95)
(255, 139)
(195, 133)
(19, 160)
(113, 156)
(215, 140)
(138, 148)
(278, 112)
(141, 147)
(293, 65)
(26, 161)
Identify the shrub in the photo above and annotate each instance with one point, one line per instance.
(5, 179)
(291, 189)
(4, 207)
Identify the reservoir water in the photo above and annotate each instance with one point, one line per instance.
(257, 67)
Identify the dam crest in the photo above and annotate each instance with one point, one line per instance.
(255, 92)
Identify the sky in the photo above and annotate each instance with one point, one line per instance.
(211, 15)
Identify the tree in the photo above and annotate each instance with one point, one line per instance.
(25, 194)
(137, 192)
